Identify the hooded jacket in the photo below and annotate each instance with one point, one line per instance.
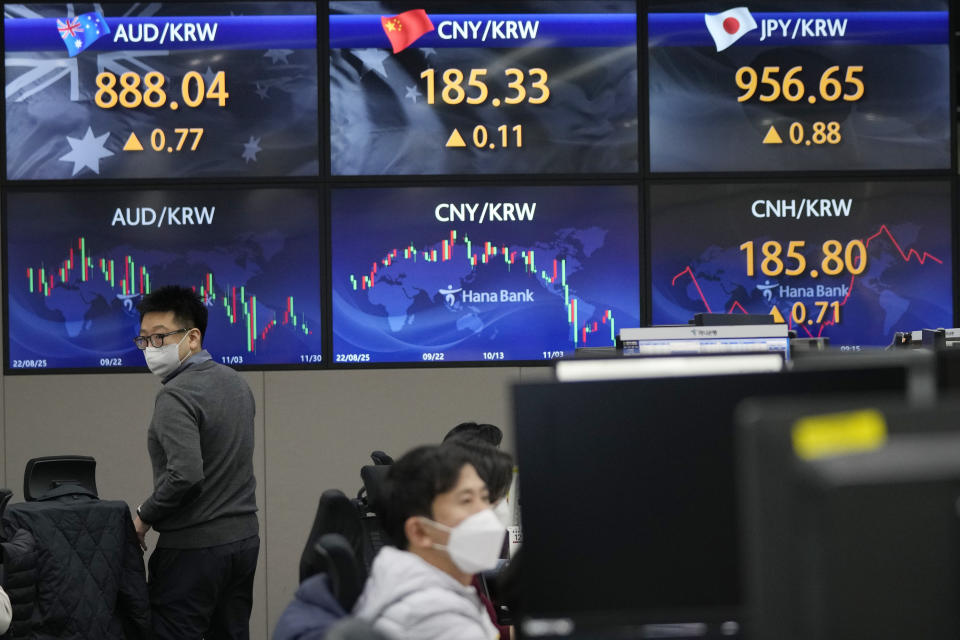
(407, 597)
(311, 614)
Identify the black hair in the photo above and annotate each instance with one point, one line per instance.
(495, 467)
(491, 434)
(419, 476)
(188, 308)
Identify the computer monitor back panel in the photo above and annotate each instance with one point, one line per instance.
(771, 543)
(880, 532)
(948, 371)
(629, 503)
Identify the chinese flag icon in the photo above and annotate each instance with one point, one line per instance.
(404, 29)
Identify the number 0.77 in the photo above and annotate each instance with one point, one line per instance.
(158, 139)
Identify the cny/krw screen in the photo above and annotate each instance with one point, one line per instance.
(440, 274)
(819, 85)
(852, 261)
(79, 262)
(161, 90)
(529, 87)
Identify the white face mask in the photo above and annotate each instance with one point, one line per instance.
(475, 543)
(162, 361)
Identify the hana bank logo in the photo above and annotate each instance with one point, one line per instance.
(450, 297)
(405, 28)
(729, 26)
(767, 289)
(79, 32)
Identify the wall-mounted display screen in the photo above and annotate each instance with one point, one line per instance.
(442, 274)
(822, 85)
(161, 90)
(79, 262)
(531, 87)
(852, 261)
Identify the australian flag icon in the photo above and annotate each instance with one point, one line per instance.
(82, 31)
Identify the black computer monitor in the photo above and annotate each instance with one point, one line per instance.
(883, 541)
(848, 542)
(948, 370)
(629, 502)
(920, 363)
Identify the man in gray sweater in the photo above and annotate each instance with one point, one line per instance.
(203, 506)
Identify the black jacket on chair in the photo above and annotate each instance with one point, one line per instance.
(19, 557)
(91, 582)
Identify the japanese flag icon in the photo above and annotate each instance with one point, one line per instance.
(729, 26)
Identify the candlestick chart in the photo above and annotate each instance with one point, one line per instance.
(565, 277)
(73, 289)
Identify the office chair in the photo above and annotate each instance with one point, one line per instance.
(44, 474)
(374, 483)
(371, 503)
(379, 457)
(5, 495)
(336, 555)
(76, 535)
(336, 513)
(358, 520)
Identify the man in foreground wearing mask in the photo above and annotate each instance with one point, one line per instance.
(203, 506)
(440, 518)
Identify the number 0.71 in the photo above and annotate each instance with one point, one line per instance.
(798, 313)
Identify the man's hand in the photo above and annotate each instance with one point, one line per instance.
(142, 528)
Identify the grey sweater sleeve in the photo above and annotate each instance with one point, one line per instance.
(177, 428)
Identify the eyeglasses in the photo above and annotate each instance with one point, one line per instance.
(155, 340)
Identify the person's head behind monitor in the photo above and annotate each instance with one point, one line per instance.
(489, 433)
(432, 490)
(495, 467)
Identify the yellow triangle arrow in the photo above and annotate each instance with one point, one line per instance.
(456, 140)
(777, 316)
(772, 136)
(133, 143)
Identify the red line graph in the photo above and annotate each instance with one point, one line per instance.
(906, 256)
(689, 271)
(827, 323)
